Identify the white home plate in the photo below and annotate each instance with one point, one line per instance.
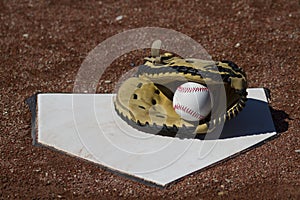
(86, 126)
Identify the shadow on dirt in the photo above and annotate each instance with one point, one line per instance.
(280, 120)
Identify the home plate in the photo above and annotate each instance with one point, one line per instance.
(86, 126)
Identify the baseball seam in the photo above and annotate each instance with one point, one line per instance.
(192, 89)
(188, 111)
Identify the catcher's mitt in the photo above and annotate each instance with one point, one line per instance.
(145, 100)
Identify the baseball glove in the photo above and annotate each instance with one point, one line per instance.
(144, 101)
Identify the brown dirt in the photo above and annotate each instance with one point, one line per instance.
(43, 44)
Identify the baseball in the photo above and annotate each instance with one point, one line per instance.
(192, 101)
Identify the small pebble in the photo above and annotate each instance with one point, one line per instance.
(26, 35)
(297, 151)
(107, 81)
(120, 17)
(227, 180)
(222, 193)
(237, 45)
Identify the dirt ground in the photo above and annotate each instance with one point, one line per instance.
(43, 44)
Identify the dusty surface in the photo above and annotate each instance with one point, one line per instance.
(43, 44)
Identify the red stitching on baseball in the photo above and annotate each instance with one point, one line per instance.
(188, 111)
(192, 89)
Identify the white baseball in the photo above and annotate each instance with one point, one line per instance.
(192, 101)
